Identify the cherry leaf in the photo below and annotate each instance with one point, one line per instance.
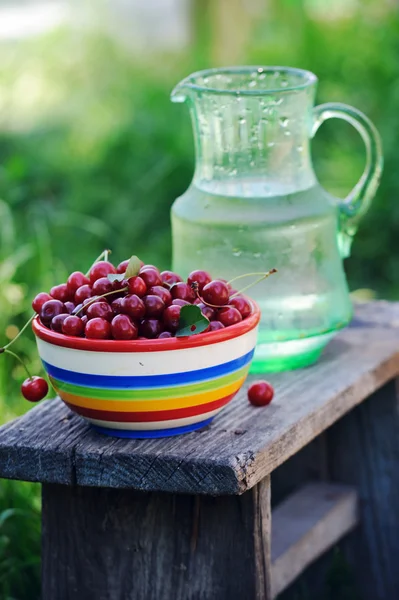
(116, 277)
(133, 267)
(192, 321)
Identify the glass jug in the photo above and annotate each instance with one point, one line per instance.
(255, 203)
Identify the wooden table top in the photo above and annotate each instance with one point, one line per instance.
(243, 444)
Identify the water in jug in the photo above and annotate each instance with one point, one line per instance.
(255, 203)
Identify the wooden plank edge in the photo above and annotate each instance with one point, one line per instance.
(305, 525)
(261, 462)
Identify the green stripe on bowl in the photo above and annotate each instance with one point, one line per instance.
(153, 393)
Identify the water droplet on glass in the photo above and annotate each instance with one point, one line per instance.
(260, 70)
(265, 110)
(262, 76)
(287, 132)
(270, 144)
(252, 83)
(206, 80)
(252, 163)
(278, 101)
(242, 121)
(237, 252)
(233, 172)
(284, 121)
(257, 255)
(284, 82)
(299, 148)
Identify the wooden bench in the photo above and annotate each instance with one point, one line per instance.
(191, 517)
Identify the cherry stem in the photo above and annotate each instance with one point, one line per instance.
(19, 333)
(20, 360)
(104, 255)
(264, 276)
(125, 289)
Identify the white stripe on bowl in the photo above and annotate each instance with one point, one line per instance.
(146, 363)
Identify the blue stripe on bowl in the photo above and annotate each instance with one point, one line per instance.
(147, 381)
(154, 433)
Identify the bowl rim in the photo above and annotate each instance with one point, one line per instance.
(174, 343)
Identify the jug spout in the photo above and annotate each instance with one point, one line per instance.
(182, 90)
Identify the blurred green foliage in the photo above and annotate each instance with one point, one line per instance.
(92, 155)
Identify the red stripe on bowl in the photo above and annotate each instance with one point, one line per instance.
(146, 417)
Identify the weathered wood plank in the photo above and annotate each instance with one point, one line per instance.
(105, 544)
(363, 450)
(307, 524)
(241, 446)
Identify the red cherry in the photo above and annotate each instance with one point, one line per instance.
(102, 286)
(183, 291)
(98, 329)
(86, 303)
(260, 393)
(201, 277)
(165, 334)
(39, 300)
(180, 302)
(123, 328)
(133, 306)
(171, 317)
(144, 267)
(75, 281)
(116, 306)
(154, 306)
(215, 325)
(73, 326)
(242, 304)
(150, 276)
(207, 311)
(169, 277)
(216, 292)
(34, 388)
(83, 293)
(137, 286)
(229, 316)
(49, 310)
(163, 293)
(70, 307)
(99, 309)
(60, 292)
(100, 269)
(121, 268)
(150, 328)
(56, 323)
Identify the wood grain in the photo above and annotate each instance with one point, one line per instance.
(238, 449)
(307, 524)
(363, 450)
(106, 544)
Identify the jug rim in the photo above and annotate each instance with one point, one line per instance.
(306, 79)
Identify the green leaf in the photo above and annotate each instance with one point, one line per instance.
(116, 277)
(192, 321)
(133, 267)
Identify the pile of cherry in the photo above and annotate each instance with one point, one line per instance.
(101, 305)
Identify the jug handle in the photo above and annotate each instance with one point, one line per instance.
(353, 207)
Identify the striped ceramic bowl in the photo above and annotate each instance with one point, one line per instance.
(149, 388)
